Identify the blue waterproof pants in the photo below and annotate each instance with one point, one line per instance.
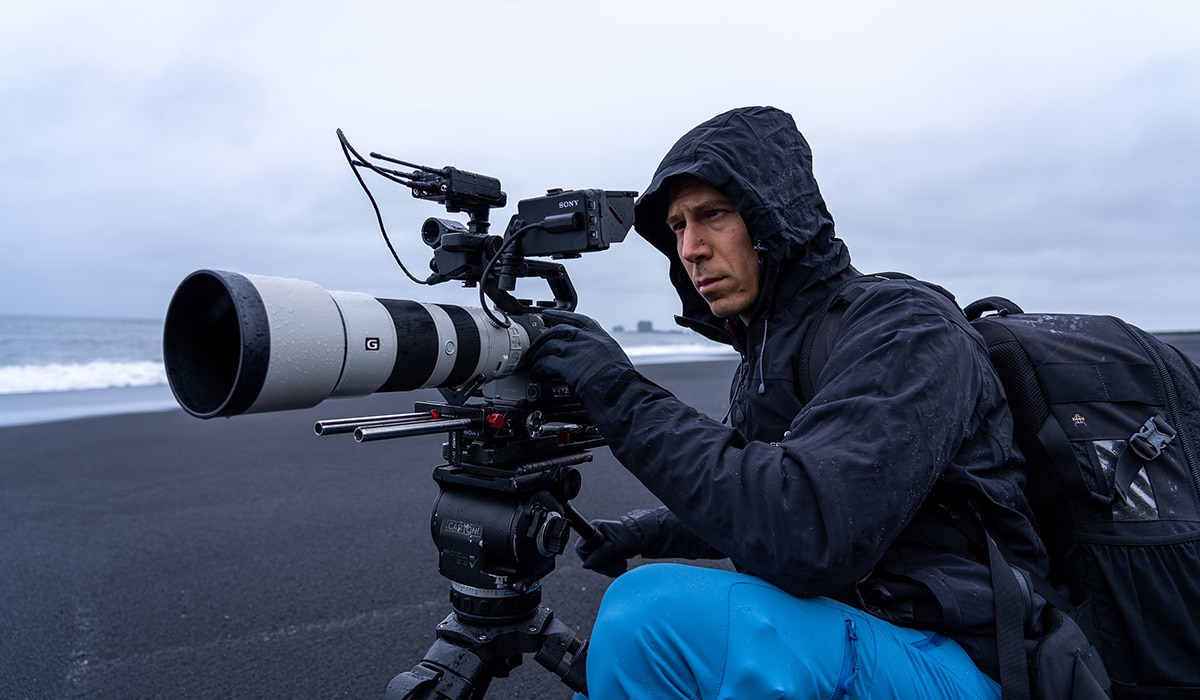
(673, 631)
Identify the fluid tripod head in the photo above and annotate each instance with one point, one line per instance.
(501, 518)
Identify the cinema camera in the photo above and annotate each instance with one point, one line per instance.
(235, 344)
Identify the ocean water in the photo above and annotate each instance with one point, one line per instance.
(61, 354)
(60, 368)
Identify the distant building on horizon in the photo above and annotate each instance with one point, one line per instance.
(645, 327)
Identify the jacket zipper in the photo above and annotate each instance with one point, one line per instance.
(743, 372)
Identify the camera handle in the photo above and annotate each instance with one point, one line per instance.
(510, 265)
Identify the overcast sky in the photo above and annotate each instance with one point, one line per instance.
(1046, 151)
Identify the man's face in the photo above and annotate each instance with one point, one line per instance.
(714, 246)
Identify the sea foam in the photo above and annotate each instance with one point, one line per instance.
(99, 374)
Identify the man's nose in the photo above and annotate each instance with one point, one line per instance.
(693, 246)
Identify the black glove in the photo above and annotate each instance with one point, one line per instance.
(610, 552)
(574, 348)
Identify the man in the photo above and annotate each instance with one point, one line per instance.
(839, 513)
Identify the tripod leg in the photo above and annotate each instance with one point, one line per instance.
(564, 653)
(448, 672)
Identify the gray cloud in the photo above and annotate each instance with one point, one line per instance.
(1084, 203)
(1030, 150)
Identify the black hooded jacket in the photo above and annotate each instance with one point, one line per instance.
(853, 494)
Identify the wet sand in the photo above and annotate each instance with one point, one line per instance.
(157, 555)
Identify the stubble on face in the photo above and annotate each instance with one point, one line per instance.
(714, 246)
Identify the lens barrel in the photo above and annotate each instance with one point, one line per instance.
(236, 344)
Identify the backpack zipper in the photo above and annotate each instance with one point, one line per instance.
(1185, 441)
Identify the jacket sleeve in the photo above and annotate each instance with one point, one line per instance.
(664, 536)
(814, 511)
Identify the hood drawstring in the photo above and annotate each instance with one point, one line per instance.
(762, 384)
(762, 249)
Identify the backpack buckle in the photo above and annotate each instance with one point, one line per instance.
(1150, 439)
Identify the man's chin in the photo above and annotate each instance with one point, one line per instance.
(722, 311)
(726, 309)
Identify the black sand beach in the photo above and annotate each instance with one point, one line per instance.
(161, 556)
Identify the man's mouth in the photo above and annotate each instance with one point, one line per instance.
(706, 282)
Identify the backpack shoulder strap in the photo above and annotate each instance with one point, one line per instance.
(1023, 677)
(818, 342)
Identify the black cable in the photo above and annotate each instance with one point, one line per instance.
(347, 150)
(487, 269)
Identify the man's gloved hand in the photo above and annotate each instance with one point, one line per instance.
(574, 348)
(609, 554)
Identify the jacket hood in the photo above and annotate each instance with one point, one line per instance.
(758, 159)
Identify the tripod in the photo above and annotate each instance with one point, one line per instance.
(501, 518)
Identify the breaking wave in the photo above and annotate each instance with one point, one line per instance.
(99, 374)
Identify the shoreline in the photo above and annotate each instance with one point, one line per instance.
(32, 408)
(53, 406)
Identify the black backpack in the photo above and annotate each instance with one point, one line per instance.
(1108, 417)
